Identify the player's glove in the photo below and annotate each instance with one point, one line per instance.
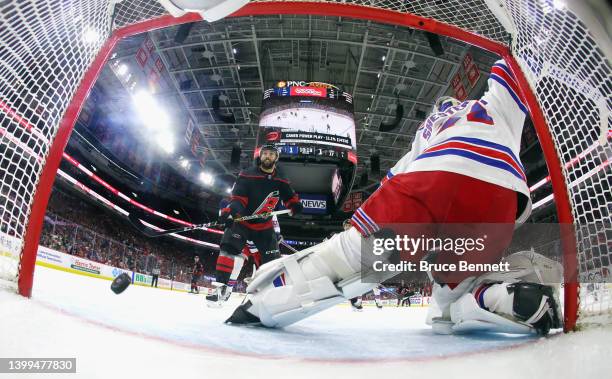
(226, 218)
(296, 208)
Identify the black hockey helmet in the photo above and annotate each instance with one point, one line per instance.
(268, 147)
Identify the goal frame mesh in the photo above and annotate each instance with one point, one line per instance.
(125, 28)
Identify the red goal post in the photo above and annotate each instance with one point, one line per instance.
(525, 33)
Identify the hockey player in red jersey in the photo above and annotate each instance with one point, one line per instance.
(257, 190)
(463, 170)
(250, 251)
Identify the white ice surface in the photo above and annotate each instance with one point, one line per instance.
(157, 333)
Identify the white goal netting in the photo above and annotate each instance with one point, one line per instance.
(47, 46)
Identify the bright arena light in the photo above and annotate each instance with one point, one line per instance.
(228, 190)
(122, 69)
(166, 141)
(152, 115)
(155, 119)
(184, 163)
(207, 178)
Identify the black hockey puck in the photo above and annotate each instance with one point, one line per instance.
(120, 283)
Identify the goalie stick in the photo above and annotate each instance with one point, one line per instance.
(149, 232)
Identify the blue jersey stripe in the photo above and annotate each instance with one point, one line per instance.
(481, 142)
(473, 156)
(368, 219)
(364, 229)
(505, 68)
(501, 81)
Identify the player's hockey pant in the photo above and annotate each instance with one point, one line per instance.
(232, 244)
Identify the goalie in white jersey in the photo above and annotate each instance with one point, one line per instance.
(462, 170)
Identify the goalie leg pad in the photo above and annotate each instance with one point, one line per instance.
(281, 303)
(444, 296)
(295, 287)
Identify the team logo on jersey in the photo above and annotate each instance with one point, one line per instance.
(268, 204)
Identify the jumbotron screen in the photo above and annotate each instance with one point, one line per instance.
(313, 126)
(301, 116)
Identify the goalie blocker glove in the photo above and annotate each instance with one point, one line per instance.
(120, 283)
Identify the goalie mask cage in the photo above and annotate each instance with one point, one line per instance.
(51, 52)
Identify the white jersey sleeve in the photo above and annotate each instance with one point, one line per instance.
(477, 138)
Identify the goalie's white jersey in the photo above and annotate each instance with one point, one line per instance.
(477, 138)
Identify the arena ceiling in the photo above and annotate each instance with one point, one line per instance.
(237, 58)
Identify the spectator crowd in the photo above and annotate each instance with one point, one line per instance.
(76, 227)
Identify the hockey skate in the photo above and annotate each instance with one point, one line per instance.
(356, 304)
(219, 296)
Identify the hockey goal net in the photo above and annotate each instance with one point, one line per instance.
(51, 52)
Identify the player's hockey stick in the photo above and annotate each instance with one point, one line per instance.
(149, 232)
(289, 247)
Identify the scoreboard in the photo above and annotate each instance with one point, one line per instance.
(313, 126)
